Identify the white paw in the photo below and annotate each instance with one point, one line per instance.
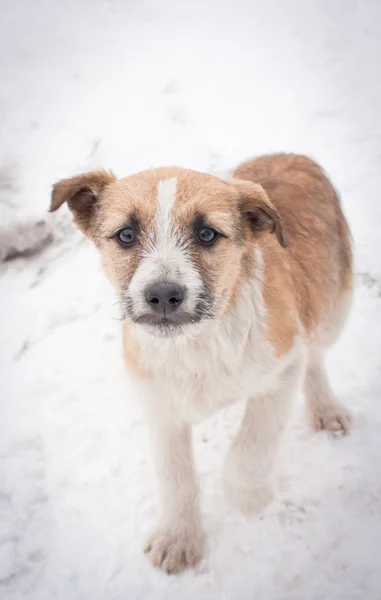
(174, 550)
(250, 500)
(333, 417)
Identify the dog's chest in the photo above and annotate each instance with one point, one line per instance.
(231, 361)
(196, 380)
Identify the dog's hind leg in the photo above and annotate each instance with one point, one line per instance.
(324, 410)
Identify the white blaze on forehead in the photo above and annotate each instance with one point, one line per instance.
(166, 257)
(166, 196)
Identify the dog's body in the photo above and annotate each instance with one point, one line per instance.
(217, 309)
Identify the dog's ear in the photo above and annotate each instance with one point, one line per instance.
(258, 211)
(81, 194)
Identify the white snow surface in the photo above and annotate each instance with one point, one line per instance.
(128, 85)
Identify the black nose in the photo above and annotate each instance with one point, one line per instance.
(164, 298)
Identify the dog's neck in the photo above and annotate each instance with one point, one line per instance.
(222, 341)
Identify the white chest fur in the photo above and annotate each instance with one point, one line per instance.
(226, 362)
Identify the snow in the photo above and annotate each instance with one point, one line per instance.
(129, 85)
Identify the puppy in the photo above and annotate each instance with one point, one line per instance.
(229, 290)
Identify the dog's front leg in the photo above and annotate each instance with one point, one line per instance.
(178, 540)
(250, 465)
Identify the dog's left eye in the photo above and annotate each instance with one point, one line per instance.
(207, 235)
(126, 237)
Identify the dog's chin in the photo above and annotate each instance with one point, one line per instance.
(165, 330)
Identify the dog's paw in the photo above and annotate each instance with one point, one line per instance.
(333, 417)
(250, 500)
(175, 550)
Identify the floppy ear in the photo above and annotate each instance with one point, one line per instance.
(81, 194)
(258, 210)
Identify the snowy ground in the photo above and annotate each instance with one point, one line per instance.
(128, 85)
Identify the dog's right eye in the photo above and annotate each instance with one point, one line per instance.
(126, 237)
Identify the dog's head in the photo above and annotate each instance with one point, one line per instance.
(174, 242)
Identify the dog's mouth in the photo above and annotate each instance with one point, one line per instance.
(170, 325)
(166, 326)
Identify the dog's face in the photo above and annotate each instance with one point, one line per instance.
(174, 242)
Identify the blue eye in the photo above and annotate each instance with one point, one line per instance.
(125, 237)
(207, 235)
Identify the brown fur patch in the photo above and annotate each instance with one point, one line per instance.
(279, 297)
(319, 257)
(126, 201)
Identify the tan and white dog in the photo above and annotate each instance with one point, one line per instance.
(230, 290)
